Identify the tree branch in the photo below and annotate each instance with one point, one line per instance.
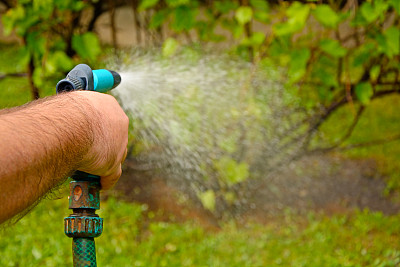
(97, 11)
(346, 135)
(112, 23)
(370, 143)
(7, 4)
(6, 75)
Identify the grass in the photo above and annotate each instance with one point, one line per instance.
(131, 238)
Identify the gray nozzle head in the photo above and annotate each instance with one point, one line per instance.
(117, 78)
(70, 84)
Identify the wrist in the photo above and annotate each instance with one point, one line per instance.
(89, 120)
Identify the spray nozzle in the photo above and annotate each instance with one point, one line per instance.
(82, 77)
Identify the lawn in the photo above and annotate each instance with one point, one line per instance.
(130, 238)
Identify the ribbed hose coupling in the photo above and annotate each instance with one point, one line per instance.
(83, 225)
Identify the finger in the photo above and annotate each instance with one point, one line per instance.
(109, 181)
(124, 157)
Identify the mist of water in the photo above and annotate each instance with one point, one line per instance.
(194, 115)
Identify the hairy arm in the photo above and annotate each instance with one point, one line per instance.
(41, 143)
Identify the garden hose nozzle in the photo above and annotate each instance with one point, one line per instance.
(83, 225)
(82, 77)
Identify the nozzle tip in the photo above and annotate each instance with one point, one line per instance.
(117, 78)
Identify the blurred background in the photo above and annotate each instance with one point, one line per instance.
(264, 133)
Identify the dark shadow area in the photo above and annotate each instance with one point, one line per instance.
(328, 184)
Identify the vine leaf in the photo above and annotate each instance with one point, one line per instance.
(145, 4)
(244, 14)
(364, 92)
(87, 45)
(298, 64)
(332, 47)
(207, 198)
(169, 47)
(297, 14)
(326, 16)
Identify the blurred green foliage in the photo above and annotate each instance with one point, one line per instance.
(52, 34)
(326, 48)
(333, 53)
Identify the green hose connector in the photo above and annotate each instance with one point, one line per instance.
(83, 225)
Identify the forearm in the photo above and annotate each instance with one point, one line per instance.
(40, 144)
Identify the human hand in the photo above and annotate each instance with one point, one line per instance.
(110, 137)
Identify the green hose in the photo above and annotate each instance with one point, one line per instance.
(84, 252)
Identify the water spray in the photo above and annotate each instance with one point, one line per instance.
(83, 225)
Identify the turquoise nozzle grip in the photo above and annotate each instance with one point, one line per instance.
(105, 80)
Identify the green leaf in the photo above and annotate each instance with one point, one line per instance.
(298, 64)
(396, 5)
(8, 25)
(362, 54)
(237, 31)
(176, 3)
(87, 45)
(38, 76)
(326, 16)
(332, 47)
(364, 92)
(169, 47)
(229, 197)
(206, 32)
(145, 4)
(280, 50)
(243, 14)
(24, 56)
(36, 43)
(257, 38)
(184, 18)
(158, 18)
(64, 5)
(261, 16)
(261, 5)
(231, 171)
(78, 5)
(43, 8)
(324, 71)
(359, 20)
(392, 36)
(388, 42)
(12, 17)
(207, 198)
(327, 78)
(297, 14)
(374, 72)
(62, 61)
(225, 6)
(372, 11)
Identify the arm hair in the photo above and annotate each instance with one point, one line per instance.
(41, 143)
